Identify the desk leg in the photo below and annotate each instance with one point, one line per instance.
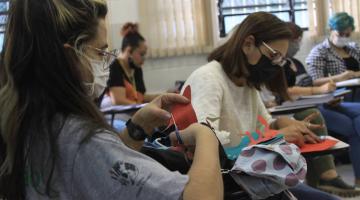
(353, 95)
(112, 120)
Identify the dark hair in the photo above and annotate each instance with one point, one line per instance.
(265, 27)
(131, 36)
(295, 29)
(41, 84)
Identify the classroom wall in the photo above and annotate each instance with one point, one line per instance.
(161, 74)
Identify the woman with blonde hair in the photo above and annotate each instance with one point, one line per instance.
(55, 144)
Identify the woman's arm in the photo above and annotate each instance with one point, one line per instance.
(118, 96)
(151, 116)
(303, 91)
(336, 78)
(205, 177)
(299, 91)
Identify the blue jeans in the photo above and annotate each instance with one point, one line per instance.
(345, 120)
(354, 96)
(305, 192)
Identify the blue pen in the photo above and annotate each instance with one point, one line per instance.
(177, 133)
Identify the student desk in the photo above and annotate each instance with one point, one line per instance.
(289, 110)
(114, 110)
(306, 102)
(339, 147)
(352, 84)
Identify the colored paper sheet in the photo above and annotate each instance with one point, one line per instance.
(184, 114)
(324, 145)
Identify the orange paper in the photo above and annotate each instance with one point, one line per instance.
(324, 145)
(184, 114)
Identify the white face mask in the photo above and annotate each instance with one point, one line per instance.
(341, 41)
(101, 77)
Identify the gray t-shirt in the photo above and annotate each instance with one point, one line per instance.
(105, 168)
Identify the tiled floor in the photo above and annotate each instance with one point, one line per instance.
(347, 173)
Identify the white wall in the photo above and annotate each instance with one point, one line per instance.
(305, 48)
(120, 12)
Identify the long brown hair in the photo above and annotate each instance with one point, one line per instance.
(41, 84)
(265, 27)
(295, 29)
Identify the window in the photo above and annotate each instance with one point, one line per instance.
(233, 12)
(4, 10)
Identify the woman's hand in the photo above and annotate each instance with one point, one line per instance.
(325, 88)
(156, 113)
(348, 74)
(299, 135)
(300, 132)
(270, 104)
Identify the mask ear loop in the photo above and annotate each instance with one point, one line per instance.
(86, 65)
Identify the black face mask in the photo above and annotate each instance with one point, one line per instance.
(263, 71)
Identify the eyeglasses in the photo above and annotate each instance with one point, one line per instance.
(275, 56)
(108, 56)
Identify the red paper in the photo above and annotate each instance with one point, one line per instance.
(184, 114)
(324, 145)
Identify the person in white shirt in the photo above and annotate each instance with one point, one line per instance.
(228, 86)
(54, 142)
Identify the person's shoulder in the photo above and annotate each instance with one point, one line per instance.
(116, 66)
(321, 47)
(319, 51)
(77, 133)
(211, 70)
(76, 129)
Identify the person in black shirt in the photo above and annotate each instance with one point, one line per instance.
(126, 82)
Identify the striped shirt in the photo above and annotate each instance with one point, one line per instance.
(323, 59)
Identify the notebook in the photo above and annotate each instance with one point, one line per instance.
(309, 101)
(348, 83)
(337, 93)
(122, 108)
